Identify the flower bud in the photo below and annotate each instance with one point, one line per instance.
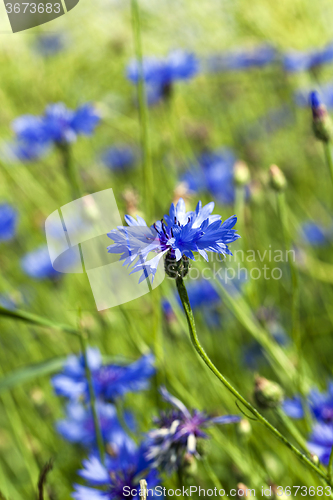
(321, 121)
(267, 394)
(244, 428)
(243, 491)
(174, 268)
(277, 179)
(241, 173)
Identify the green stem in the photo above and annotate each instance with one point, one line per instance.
(296, 334)
(329, 158)
(330, 466)
(295, 301)
(34, 319)
(143, 113)
(92, 397)
(70, 170)
(195, 341)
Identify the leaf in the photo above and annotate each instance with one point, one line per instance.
(36, 320)
(27, 373)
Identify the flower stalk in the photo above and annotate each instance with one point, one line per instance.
(197, 346)
(92, 396)
(70, 170)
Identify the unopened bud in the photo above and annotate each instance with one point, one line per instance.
(321, 121)
(241, 173)
(243, 491)
(277, 179)
(244, 428)
(315, 459)
(267, 394)
(175, 269)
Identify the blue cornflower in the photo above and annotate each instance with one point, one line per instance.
(119, 157)
(78, 426)
(321, 441)
(25, 151)
(213, 172)
(241, 59)
(315, 234)
(8, 222)
(119, 476)
(110, 381)
(320, 404)
(160, 74)
(37, 264)
(179, 235)
(62, 125)
(49, 44)
(301, 61)
(59, 125)
(177, 433)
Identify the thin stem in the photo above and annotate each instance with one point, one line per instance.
(282, 208)
(70, 170)
(330, 466)
(92, 397)
(143, 112)
(195, 341)
(34, 319)
(295, 298)
(329, 158)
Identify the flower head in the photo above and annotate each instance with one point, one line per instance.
(110, 381)
(58, 125)
(179, 234)
(8, 221)
(119, 157)
(160, 74)
(320, 404)
(120, 474)
(302, 61)
(78, 426)
(315, 234)
(177, 433)
(49, 44)
(321, 441)
(37, 264)
(213, 172)
(241, 59)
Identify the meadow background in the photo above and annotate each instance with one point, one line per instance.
(254, 112)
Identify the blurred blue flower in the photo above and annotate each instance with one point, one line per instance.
(315, 234)
(119, 157)
(177, 433)
(110, 381)
(49, 44)
(241, 59)
(8, 222)
(254, 353)
(37, 264)
(180, 234)
(160, 73)
(78, 426)
(119, 476)
(301, 61)
(321, 442)
(62, 125)
(213, 172)
(178, 65)
(25, 151)
(268, 123)
(58, 125)
(320, 404)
